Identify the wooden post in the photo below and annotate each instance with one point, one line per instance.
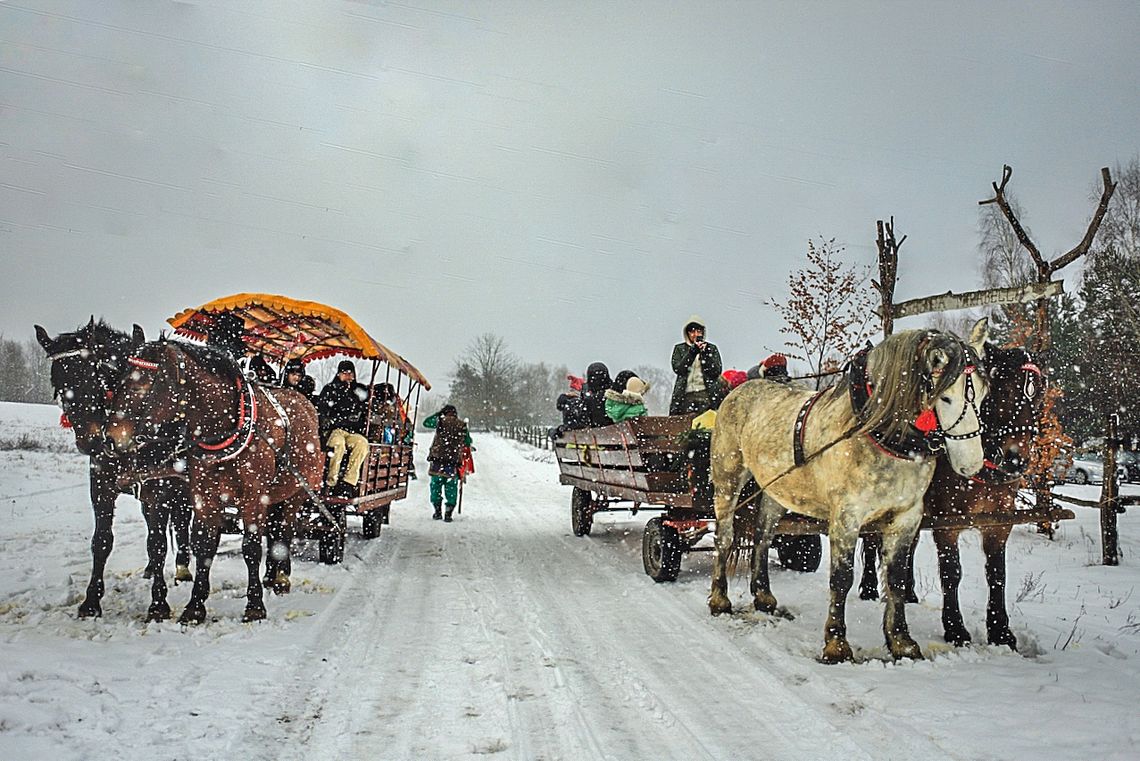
(888, 272)
(1108, 496)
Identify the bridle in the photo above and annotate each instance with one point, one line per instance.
(969, 395)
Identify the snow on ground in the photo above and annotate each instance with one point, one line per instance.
(502, 634)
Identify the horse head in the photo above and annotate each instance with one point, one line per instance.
(85, 365)
(143, 403)
(957, 388)
(1012, 409)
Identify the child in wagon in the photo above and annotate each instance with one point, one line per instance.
(625, 398)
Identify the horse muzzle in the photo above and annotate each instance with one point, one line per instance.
(120, 437)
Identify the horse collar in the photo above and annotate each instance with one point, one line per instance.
(228, 446)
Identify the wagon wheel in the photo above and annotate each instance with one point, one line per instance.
(331, 549)
(581, 514)
(371, 521)
(661, 550)
(800, 553)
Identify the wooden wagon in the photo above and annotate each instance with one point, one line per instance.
(655, 463)
(645, 464)
(279, 328)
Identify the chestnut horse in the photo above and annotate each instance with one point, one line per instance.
(850, 455)
(84, 366)
(246, 446)
(1010, 414)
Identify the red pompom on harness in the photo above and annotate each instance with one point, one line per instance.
(926, 422)
(63, 421)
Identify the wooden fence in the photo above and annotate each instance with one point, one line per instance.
(535, 435)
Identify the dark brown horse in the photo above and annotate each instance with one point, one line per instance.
(245, 446)
(1010, 414)
(84, 366)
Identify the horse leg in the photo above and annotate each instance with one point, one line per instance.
(911, 596)
(103, 475)
(156, 513)
(994, 539)
(869, 581)
(843, 535)
(768, 517)
(950, 574)
(251, 552)
(898, 536)
(204, 539)
(181, 510)
(278, 538)
(728, 477)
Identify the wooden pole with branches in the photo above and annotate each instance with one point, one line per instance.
(1039, 337)
(888, 271)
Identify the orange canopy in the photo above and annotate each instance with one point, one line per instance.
(282, 329)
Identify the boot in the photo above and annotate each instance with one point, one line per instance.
(437, 514)
(447, 515)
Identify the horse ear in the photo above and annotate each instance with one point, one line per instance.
(138, 338)
(979, 335)
(91, 323)
(44, 339)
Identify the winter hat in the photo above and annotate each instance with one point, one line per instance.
(448, 409)
(295, 366)
(734, 377)
(346, 364)
(621, 379)
(775, 360)
(597, 377)
(576, 383)
(636, 385)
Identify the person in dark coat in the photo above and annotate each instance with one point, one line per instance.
(698, 366)
(261, 370)
(773, 368)
(343, 408)
(295, 377)
(575, 415)
(445, 458)
(594, 394)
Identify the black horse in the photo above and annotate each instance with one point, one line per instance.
(85, 366)
(1010, 414)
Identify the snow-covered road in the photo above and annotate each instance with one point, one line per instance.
(503, 634)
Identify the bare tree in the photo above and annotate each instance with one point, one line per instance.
(829, 309)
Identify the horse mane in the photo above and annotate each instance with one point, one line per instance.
(901, 383)
(98, 335)
(215, 361)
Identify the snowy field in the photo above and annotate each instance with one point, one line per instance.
(504, 635)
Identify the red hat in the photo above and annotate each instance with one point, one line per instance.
(576, 383)
(734, 377)
(776, 360)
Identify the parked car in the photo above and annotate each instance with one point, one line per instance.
(1131, 463)
(1087, 468)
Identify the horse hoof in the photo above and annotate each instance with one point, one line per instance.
(906, 648)
(158, 613)
(182, 573)
(87, 610)
(957, 637)
(868, 593)
(765, 603)
(148, 574)
(836, 651)
(1004, 638)
(253, 614)
(281, 585)
(718, 605)
(192, 616)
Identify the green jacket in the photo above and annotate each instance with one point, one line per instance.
(621, 407)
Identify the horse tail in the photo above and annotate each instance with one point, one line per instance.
(744, 522)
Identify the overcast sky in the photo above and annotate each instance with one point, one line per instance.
(577, 177)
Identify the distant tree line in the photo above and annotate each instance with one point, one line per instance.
(25, 373)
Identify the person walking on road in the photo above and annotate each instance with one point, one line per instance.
(445, 459)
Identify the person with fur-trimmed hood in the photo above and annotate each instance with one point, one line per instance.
(698, 366)
(625, 398)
